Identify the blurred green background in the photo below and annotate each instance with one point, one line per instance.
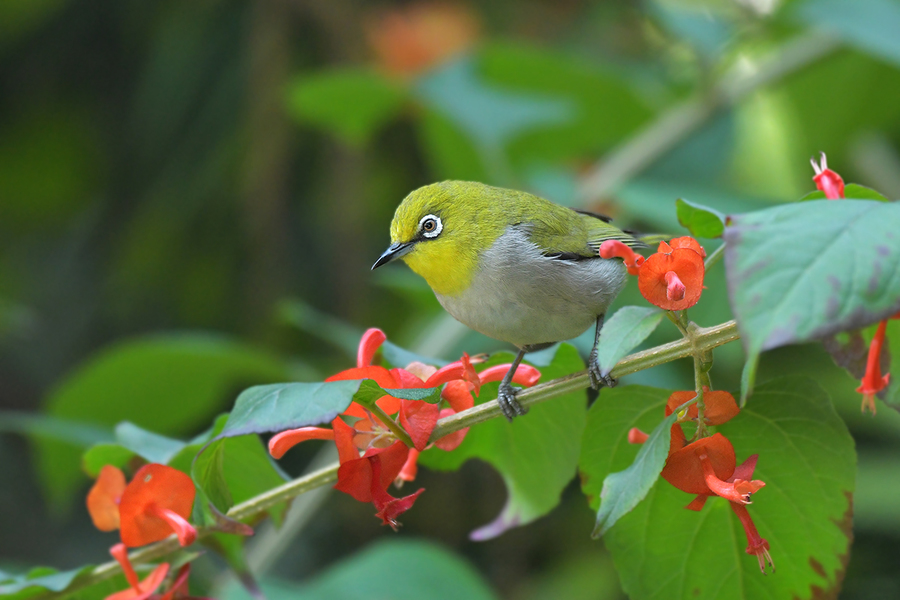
(192, 193)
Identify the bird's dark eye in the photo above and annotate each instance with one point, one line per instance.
(430, 226)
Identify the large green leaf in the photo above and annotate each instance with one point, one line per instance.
(806, 458)
(803, 271)
(166, 384)
(536, 454)
(280, 406)
(387, 570)
(333, 100)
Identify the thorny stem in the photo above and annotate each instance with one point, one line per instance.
(702, 340)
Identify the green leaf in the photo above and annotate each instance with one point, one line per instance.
(700, 220)
(395, 569)
(867, 24)
(806, 458)
(536, 455)
(45, 578)
(248, 471)
(208, 473)
(490, 115)
(803, 271)
(152, 447)
(596, 105)
(332, 100)
(852, 191)
(623, 332)
(100, 455)
(63, 430)
(370, 392)
(169, 384)
(622, 491)
(280, 406)
(634, 406)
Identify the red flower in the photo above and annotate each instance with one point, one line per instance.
(720, 406)
(413, 39)
(673, 277)
(372, 436)
(139, 590)
(367, 477)
(156, 504)
(145, 590)
(873, 382)
(706, 467)
(827, 180)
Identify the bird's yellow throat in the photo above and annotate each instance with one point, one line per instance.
(448, 264)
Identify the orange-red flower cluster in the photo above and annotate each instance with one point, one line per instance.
(873, 381)
(672, 278)
(707, 466)
(386, 459)
(156, 504)
(410, 40)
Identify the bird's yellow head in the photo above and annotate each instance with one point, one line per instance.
(441, 229)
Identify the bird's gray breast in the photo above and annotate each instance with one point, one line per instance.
(521, 296)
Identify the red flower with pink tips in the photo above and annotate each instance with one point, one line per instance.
(385, 458)
(672, 278)
(707, 466)
(827, 180)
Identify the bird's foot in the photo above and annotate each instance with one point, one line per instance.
(598, 379)
(506, 398)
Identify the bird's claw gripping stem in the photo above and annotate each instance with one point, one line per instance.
(598, 379)
(506, 398)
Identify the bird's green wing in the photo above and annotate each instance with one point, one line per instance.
(600, 230)
(568, 233)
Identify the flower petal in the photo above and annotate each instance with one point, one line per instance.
(368, 345)
(418, 418)
(684, 470)
(458, 396)
(103, 499)
(525, 375)
(284, 441)
(355, 476)
(689, 243)
(686, 263)
(379, 375)
(158, 486)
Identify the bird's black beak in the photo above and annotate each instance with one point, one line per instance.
(394, 251)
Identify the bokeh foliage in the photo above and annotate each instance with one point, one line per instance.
(191, 195)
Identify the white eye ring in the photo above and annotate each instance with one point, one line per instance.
(437, 226)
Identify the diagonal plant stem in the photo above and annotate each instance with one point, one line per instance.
(643, 149)
(701, 340)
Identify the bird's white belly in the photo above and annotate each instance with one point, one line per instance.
(522, 297)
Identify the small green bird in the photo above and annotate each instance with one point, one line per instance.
(510, 265)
